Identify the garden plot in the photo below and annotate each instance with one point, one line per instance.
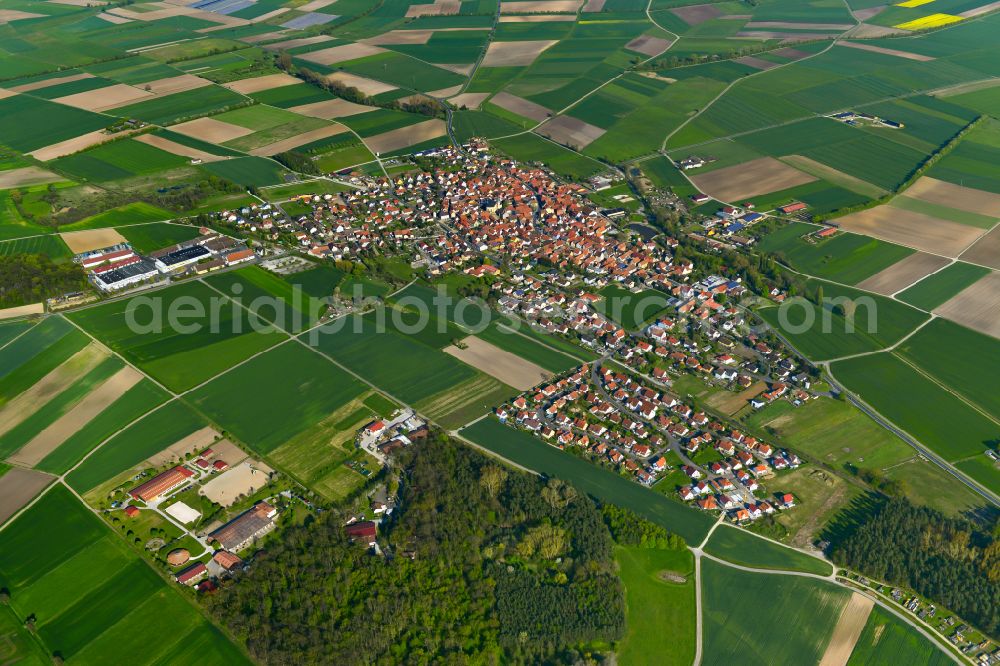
(262, 83)
(648, 45)
(211, 130)
(332, 108)
(976, 307)
(303, 139)
(515, 54)
(696, 14)
(175, 148)
(404, 137)
(342, 53)
(369, 87)
(17, 488)
(109, 97)
(884, 51)
(521, 106)
(242, 480)
(31, 175)
(912, 229)
(750, 179)
(48, 83)
(571, 132)
(52, 437)
(903, 273)
(947, 194)
(540, 6)
(509, 368)
(91, 239)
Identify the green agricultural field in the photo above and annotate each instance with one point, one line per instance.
(887, 639)
(530, 452)
(44, 350)
(117, 159)
(134, 213)
(953, 355)
(52, 246)
(528, 348)
(184, 105)
(662, 173)
(631, 309)
(827, 333)
(13, 329)
(276, 396)
(653, 602)
(60, 562)
(209, 333)
(270, 298)
(130, 448)
(533, 148)
(734, 600)
(318, 282)
(741, 547)
(932, 415)
(847, 258)
(135, 402)
(248, 171)
(28, 123)
(837, 434)
(146, 238)
(24, 345)
(936, 289)
(47, 413)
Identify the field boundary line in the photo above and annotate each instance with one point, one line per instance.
(936, 382)
(18, 336)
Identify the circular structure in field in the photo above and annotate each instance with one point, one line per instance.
(177, 557)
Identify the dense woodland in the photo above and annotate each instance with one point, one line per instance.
(948, 560)
(482, 565)
(30, 278)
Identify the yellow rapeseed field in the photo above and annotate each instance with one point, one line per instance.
(932, 21)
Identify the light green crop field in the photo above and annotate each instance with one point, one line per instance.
(741, 547)
(732, 600)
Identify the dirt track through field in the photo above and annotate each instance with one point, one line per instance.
(48, 387)
(750, 179)
(17, 488)
(509, 368)
(80, 415)
(915, 230)
(976, 306)
(903, 273)
(91, 239)
(848, 630)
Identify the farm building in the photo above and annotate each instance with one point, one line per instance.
(161, 484)
(240, 532)
(793, 207)
(227, 560)
(363, 532)
(192, 574)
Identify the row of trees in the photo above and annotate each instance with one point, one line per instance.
(481, 564)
